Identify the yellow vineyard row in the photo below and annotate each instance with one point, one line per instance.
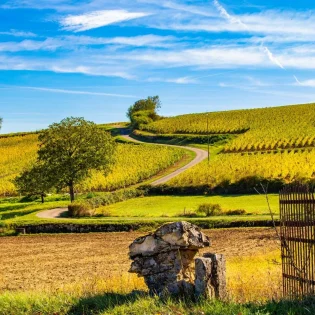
(133, 163)
(258, 129)
(234, 167)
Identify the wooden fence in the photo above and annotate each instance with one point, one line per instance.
(297, 233)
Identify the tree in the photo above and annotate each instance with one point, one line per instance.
(0, 122)
(69, 150)
(35, 182)
(144, 111)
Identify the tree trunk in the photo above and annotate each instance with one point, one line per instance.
(71, 190)
(42, 196)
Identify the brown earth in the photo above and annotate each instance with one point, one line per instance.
(51, 261)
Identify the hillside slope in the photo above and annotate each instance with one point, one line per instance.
(258, 129)
(133, 163)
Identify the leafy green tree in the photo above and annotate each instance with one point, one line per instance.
(35, 181)
(144, 111)
(72, 148)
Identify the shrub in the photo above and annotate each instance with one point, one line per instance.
(87, 208)
(209, 209)
(236, 212)
(2, 224)
(80, 209)
(90, 195)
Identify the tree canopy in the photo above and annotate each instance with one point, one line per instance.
(36, 181)
(68, 151)
(144, 111)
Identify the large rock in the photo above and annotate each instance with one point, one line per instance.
(166, 258)
(171, 236)
(210, 280)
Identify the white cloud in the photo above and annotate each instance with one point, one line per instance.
(197, 10)
(44, 89)
(71, 42)
(95, 19)
(70, 64)
(212, 57)
(308, 83)
(94, 70)
(180, 80)
(17, 33)
(233, 20)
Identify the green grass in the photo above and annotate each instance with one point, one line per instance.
(145, 213)
(159, 206)
(138, 304)
(21, 209)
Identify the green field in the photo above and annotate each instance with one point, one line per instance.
(173, 206)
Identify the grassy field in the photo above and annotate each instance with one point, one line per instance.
(84, 270)
(173, 206)
(143, 212)
(87, 274)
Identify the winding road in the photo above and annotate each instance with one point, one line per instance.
(200, 156)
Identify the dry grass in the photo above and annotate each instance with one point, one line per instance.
(99, 262)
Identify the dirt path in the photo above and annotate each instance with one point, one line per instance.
(52, 214)
(200, 156)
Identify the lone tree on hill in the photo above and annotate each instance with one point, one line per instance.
(144, 111)
(35, 182)
(69, 150)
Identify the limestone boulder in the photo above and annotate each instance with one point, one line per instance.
(170, 236)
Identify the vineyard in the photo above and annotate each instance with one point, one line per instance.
(17, 153)
(231, 168)
(257, 129)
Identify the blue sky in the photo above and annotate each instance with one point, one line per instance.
(95, 58)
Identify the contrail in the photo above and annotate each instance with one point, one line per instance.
(226, 15)
(272, 57)
(297, 80)
(234, 20)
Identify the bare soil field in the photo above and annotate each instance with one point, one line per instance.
(40, 262)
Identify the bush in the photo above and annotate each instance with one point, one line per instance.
(2, 224)
(209, 209)
(90, 195)
(236, 212)
(80, 209)
(87, 208)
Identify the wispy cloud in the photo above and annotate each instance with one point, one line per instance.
(189, 8)
(17, 33)
(95, 19)
(307, 83)
(180, 80)
(64, 91)
(232, 19)
(71, 42)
